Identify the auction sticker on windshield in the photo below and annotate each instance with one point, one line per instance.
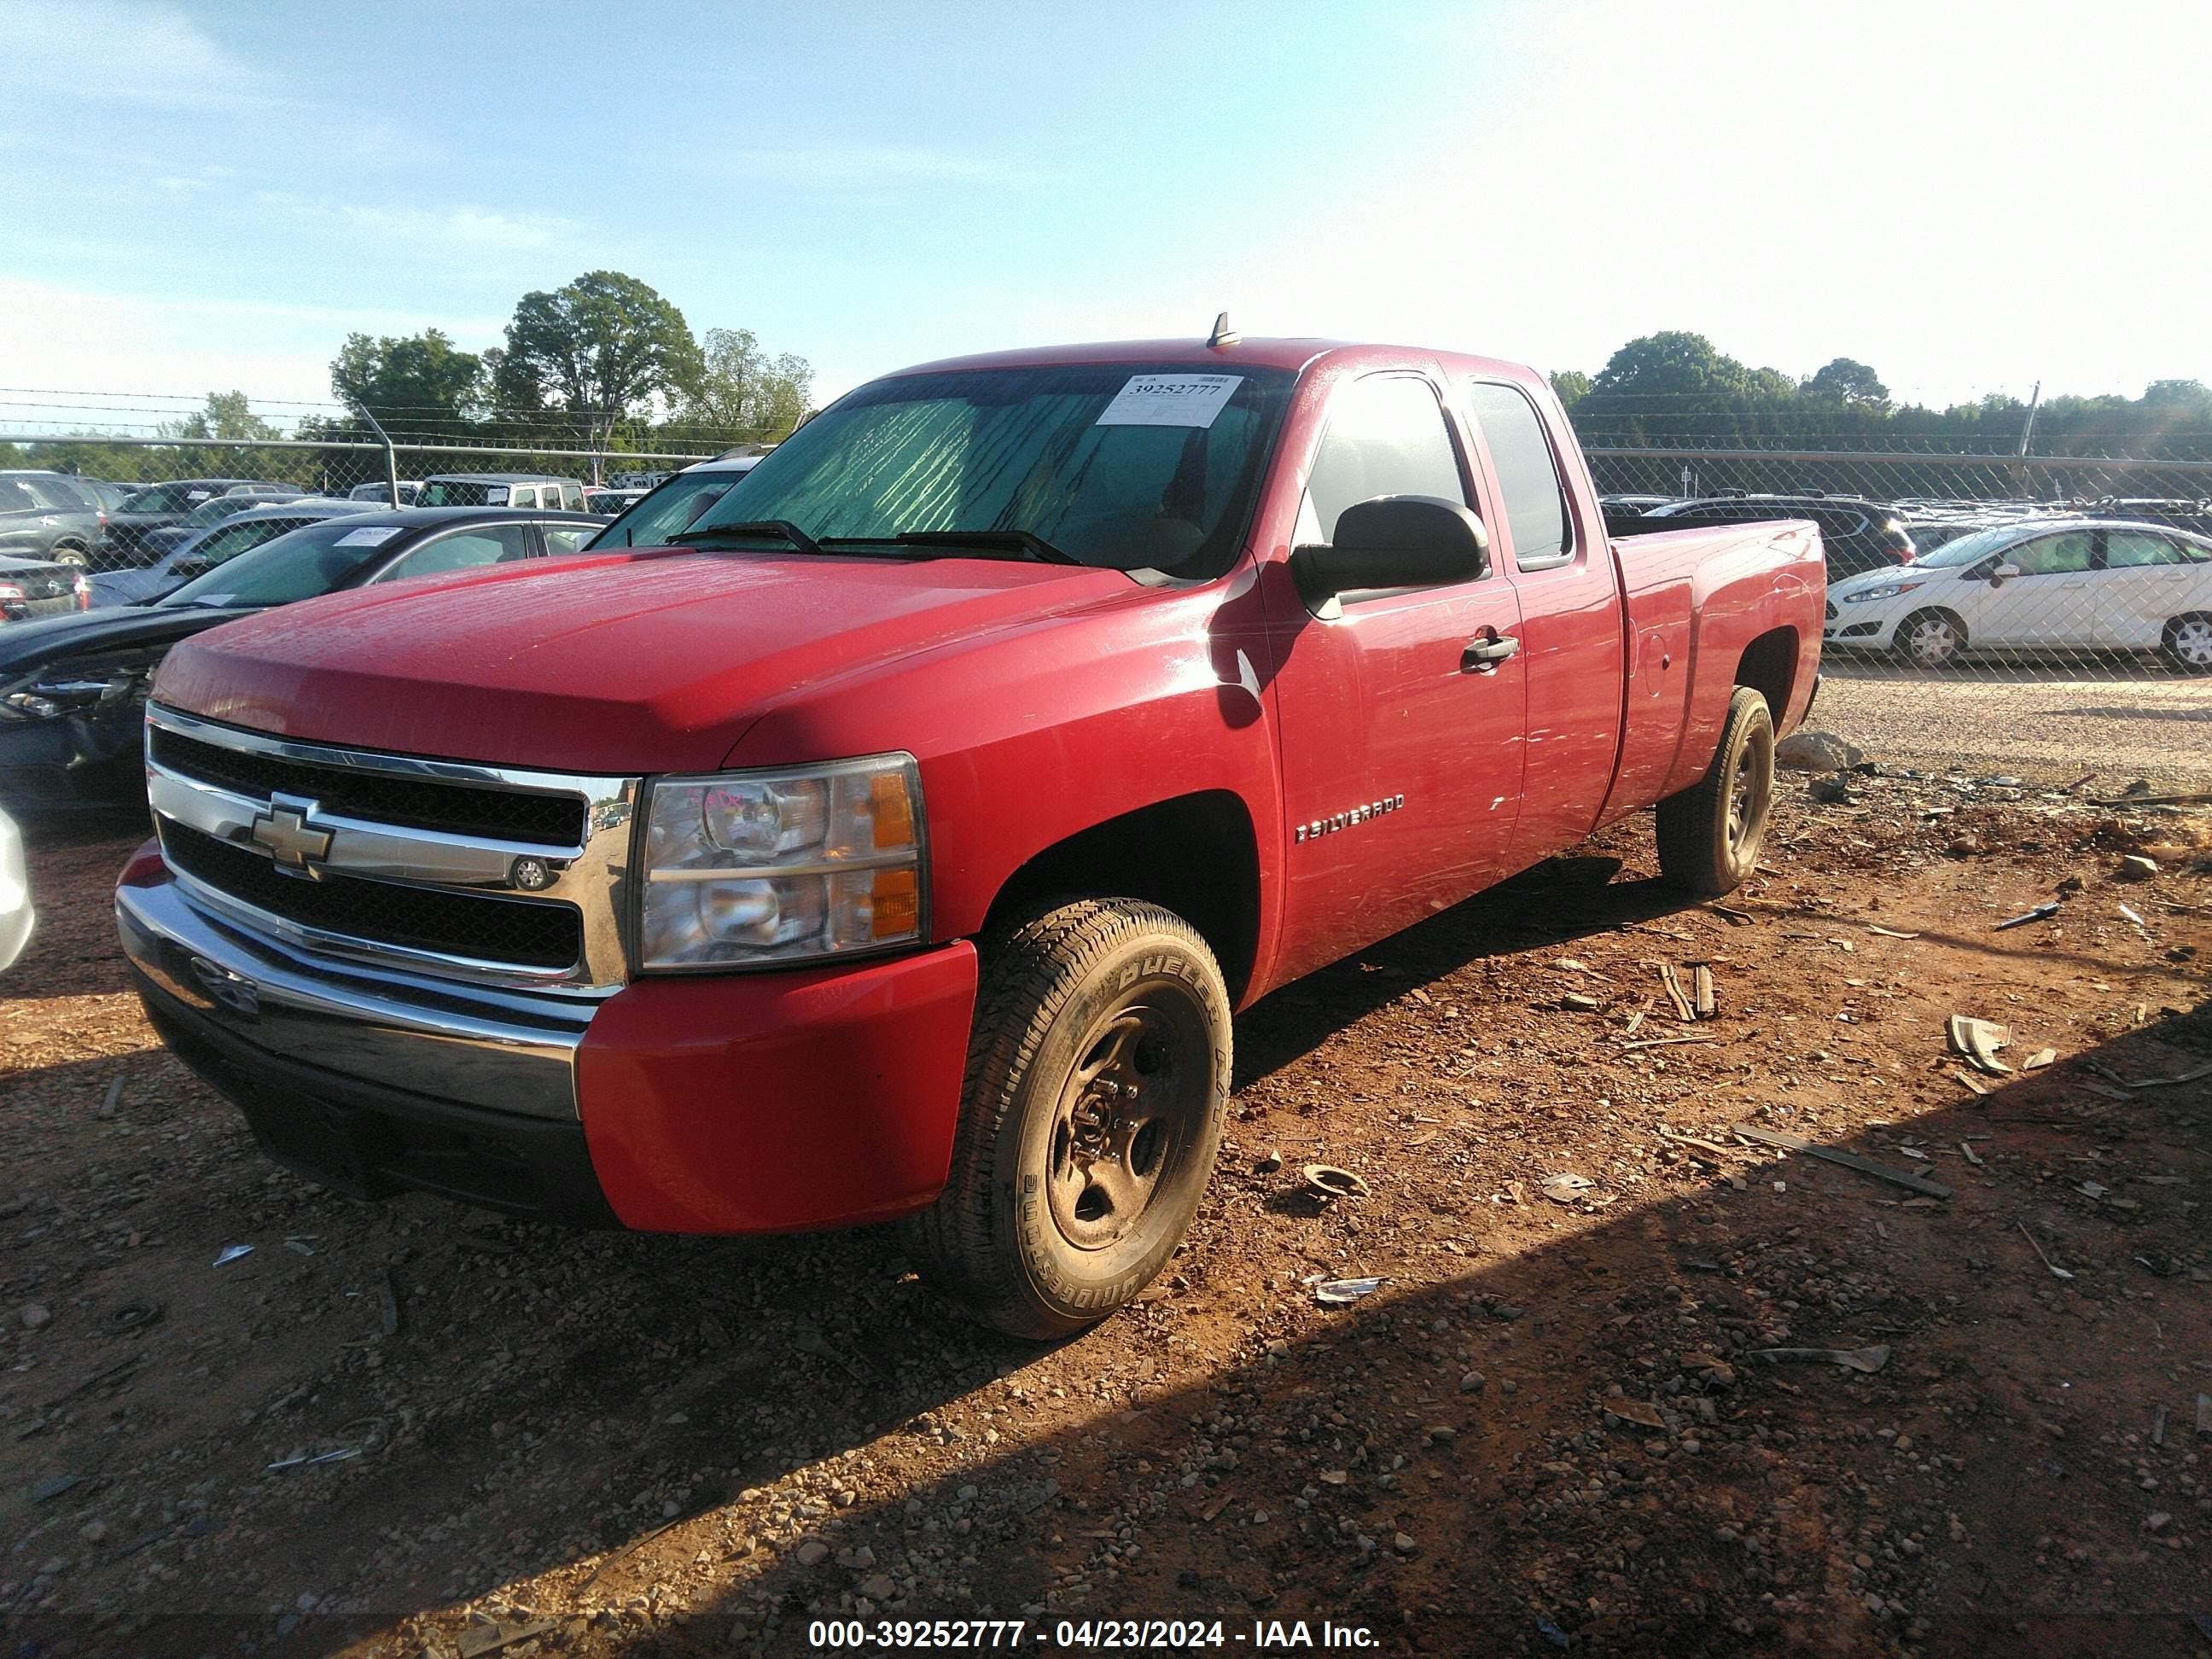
(1170, 400)
(374, 535)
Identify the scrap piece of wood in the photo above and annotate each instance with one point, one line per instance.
(1970, 1081)
(1712, 1146)
(1889, 932)
(1903, 1178)
(2165, 1082)
(1701, 981)
(1662, 1043)
(2152, 800)
(1671, 983)
(1973, 1157)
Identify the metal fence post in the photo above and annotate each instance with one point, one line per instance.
(391, 456)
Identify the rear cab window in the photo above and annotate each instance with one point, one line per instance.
(1534, 496)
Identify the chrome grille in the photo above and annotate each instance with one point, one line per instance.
(531, 933)
(457, 809)
(448, 867)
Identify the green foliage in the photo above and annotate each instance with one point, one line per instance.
(596, 351)
(742, 390)
(1571, 385)
(421, 386)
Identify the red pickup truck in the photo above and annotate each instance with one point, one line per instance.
(901, 843)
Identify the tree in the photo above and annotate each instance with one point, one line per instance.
(1571, 385)
(597, 349)
(741, 389)
(419, 385)
(225, 415)
(1847, 380)
(1669, 364)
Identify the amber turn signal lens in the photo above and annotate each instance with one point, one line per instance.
(894, 813)
(897, 901)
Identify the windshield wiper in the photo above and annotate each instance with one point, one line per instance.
(749, 529)
(1012, 541)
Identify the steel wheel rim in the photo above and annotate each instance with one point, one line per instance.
(1933, 641)
(2192, 642)
(1126, 1113)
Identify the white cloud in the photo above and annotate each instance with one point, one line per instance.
(79, 339)
(478, 228)
(100, 52)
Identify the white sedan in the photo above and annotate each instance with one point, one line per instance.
(2055, 585)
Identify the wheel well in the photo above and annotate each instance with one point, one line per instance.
(1769, 666)
(1194, 856)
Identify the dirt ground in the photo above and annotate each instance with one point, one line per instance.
(1553, 1425)
(2125, 722)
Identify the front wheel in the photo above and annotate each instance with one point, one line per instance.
(1709, 835)
(1097, 1078)
(75, 558)
(1930, 638)
(2187, 644)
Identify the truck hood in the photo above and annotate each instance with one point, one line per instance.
(641, 661)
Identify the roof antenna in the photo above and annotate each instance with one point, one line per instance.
(1222, 335)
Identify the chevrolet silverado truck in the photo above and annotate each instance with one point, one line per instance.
(900, 845)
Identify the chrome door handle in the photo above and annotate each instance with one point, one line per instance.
(1484, 655)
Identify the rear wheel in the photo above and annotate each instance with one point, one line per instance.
(1098, 1077)
(2187, 643)
(71, 554)
(1930, 638)
(1709, 835)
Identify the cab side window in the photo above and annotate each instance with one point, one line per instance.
(1386, 436)
(1535, 498)
(572, 497)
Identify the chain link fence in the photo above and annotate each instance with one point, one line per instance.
(2055, 616)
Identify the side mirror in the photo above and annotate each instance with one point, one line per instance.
(1393, 541)
(2003, 573)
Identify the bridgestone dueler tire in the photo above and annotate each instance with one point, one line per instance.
(1698, 850)
(991, 1242)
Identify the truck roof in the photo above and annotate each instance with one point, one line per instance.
(1290, 351)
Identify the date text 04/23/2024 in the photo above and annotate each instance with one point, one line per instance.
(1084, 1635)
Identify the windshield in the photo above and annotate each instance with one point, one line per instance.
(460, 492)
(316, 558)
(1965, 549)
(214, 511)
(675, 506)
(1119, 464)
(165, 498)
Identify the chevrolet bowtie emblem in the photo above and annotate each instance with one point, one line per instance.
(284, 830)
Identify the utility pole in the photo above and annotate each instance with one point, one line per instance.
(391, 456)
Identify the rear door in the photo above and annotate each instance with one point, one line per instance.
(1402, 755)
(1572, 649)
(2147, 579)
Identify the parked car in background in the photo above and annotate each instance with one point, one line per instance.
(240, 532)
(16, 915)
(31, 588)
(662, 513)
(49, 516)
(111, 496)
(380, 492)
(530, 490)
(2067, 584)
(158, 506)
(73, 689)
(1633, 503)
(154, 544)
(598, 498)
(1857, 534)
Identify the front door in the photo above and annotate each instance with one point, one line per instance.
(1401, 729)
(2049, 603)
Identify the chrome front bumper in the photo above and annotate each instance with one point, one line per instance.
(510, 1051)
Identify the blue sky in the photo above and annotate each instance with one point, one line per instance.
(1969, 197)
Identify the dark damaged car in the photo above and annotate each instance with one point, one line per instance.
(73, 688)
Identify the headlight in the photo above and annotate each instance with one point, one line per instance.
(743, 868)
(1887, 591)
